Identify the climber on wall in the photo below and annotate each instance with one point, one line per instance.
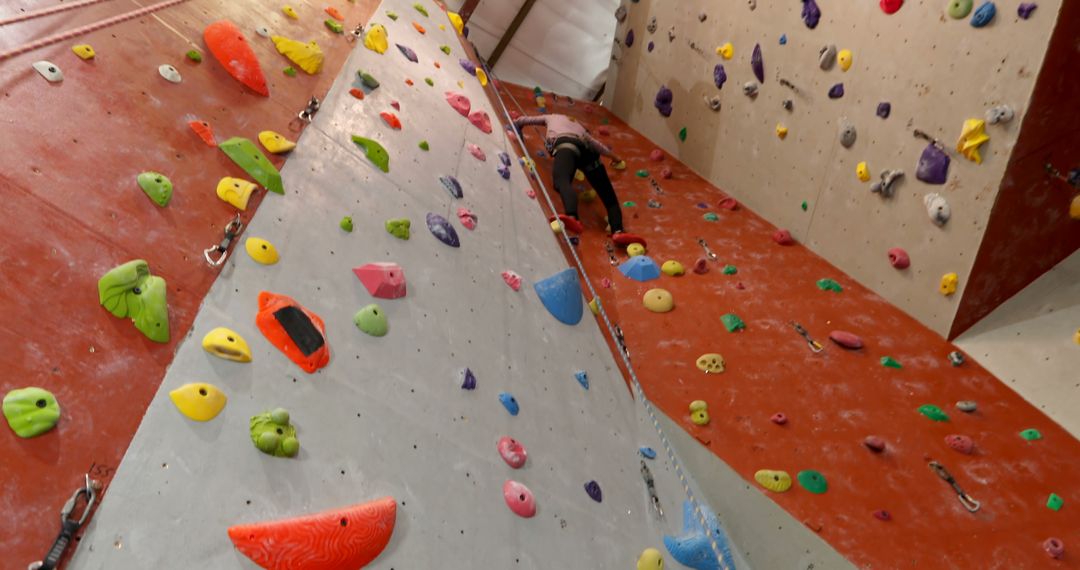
(573, 148)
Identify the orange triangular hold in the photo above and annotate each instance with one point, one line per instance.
(294, 330)
(229, 46)
(202, 128)
(334, 13)
(419, 28)
(341, 539)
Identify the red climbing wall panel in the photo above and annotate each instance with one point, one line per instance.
(833, 399)
(72, 210)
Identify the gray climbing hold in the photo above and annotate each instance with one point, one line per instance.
(937, 208)
(999, 114)
(651, 26)
(885, 185)
(967, 406)
(847, 134)
(49, 70)
(750, 89)
(713, 102)
(620, 14)
(827, 57)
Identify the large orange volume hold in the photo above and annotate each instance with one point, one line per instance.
(294, 330)
(229, 46)
(339, 539)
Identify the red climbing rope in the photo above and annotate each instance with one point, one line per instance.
(48, 11)
(74, 33)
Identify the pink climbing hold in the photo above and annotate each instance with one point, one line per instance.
(512, 279)
(666, 173)
(882, 515)
(656, 155)
(531, 193)
(783, 237)
(481, 120)
(898, 258)
(729, 203)
(519, 498)
(395, 105)
(382, 280)
(846, 339)
(605, 283)
(701, 266)
(779, 418)
(890, 6)
(960, 443)
(512, 452)
(467, 218)
(1054, 548)
(477, 152)
(459, 102)
(874, 443)
(603, 131)
(739, 285)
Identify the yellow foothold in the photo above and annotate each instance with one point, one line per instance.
(442, 27)
(650, 559)
(461, 84)
(726, 51)
(699, 413)
(594, 306)
(199, 402)
(261, 251)
(844, 57)
(972, 136)
(84, 51)
(862, 171)
(1076, 336)
(587, 196)
(482, 76)
(307, 56)
(456, 21)
(672, 268)
(235, 191)
(579, 176)
(556, 226)
(658, 300)
(375, 39)
(948, 284)
(1074, 208)
(288, 11)
(781, 131)
(621, 165)
(775, 481)
(711, 363)
(275, 142)
(635, 249)
(226, 343)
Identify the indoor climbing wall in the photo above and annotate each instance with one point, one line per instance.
(74, 209)
(792, 151)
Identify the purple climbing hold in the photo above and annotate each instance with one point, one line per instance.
(650, 47)
(504, 171)
(1025, 9)
(504, 158)
(663, 100)
(468, 65)
(629, 38)
(593, 489)
(408, 53)
(811, 14)
(836, 91)
(452, 186)
(884, 109)
(719, 75)
(757, 64)
(933, 165)
(469, 382)
(442, 230)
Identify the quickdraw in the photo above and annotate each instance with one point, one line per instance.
(305, 116)
(356, 34)
(814, 345)
(69, 526)
(222, 249)
(619, 338)
(708, 252)
(969, 503)
(610, 248)
(650, 486)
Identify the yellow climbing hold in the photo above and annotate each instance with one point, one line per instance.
(658, 300)
(726, 51)
(672, 268)
(288, 11)
(587, 196)
(1074, 208)
(844, 57)
(711, 363)
(972, 136)
(226, 343)
(261, 251)
(556, 226)
(275, 142)
(235, 191)
(375, 39)
(1076, 336)
(456, 21)
(594, 306)
(579, 176)
(482, 76)
(461, 84)
(781, 131)
(621, 165)
(775, 481)
(699, 412)
(635, 249)
(307, 56)
(650, 559)
(948, 284)
(199, 402)
(84, 51)
(862, 171)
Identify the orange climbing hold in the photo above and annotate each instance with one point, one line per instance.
(408, 82)
(358, 93)
(229, 46)
(202, 128)
(334, 13)
(294, 330)
(346, 538)
(419, 28)
(391, 120)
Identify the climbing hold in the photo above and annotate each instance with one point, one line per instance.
(334, 13)
(663, 101)
(509, 402)
(827, 57)
(480, 120)
(261, 251)
(419, 28)
(346, 224)
(263, 31)
(983, 14)
(701, 266)
(726, 51)
(999, 114)
(1025, 9)
(1054, 548)
(948, 284)
(226, 343)
(583, 378)
(862, 171)
(85, 52)
(275, 143)
(420, 8)
(804, 205)
(452, 186)
(884, 109)
(711, 217)
(561, 295)
(334, 26)
(650, 559)
(372, 320)
(884, 185)
(640, 268)
(629, 38)
(960, 443)
(775, 481)
(665, 173)
(730, 270)
(592, 488)
(290, 71)
(829, 285)
(290, 12)
(391, 120)
(235, 191)
(467, 65)
(442, 230)
(1031, 434)
(194, 56)
(1054, 502)
(156, 186)
(169, 73)
(307, 56)
(890, 362)
(31, 411)
(199, 402)
(594, 306)
(408, 53)
(367, 79)
(467, 218)
(779, 418)
(297, 332)
(375, 39)
(642, 173)
(129, 290)
(658, 300)
(620, 14)
(468, 380)
(694, 548)
(890, 6)
(781, 131)
(719, 75)
(699, 412)
(874, 443)
(512, 452)
(783, 39)
(757, 63)
(512, 279)
(933, 165)
(898, 258)
(937, 208)
(711, 363)
(651, 26)
(482, 77)
(647, 452)
(477, 152)
(846, 339)
(375, 152)
(813, 481)
(519, 499)
(382, 280)
(783, 237)
(672, 268)
(656, 155)
(967, 406)
(972, 136)
(836, 91)
(248, 157)
(933, 412)
(50, 71)
(229, 46)
(272, 433)
(732, 322)
(882, 514)
(844, 58)
(787, 104)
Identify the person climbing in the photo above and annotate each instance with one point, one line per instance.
(573, 148)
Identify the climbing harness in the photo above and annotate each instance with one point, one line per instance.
(708, 252)
(650, 486)
(305, 115)
(969, 503)
(356, 34)
(814, 345)
(222, 249)
(68, 525)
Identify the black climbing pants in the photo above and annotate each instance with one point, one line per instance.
(588, 162)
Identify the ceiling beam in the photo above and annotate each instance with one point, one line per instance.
(509, 35)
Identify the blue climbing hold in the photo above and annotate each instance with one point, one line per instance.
(640, 268)
(983, 15)
(582, 378)
(692, 548)
(647, 452)
(593, 490)
(561, 296)
(509, 403)
(783, 39)
(540, 154)
(470, 380)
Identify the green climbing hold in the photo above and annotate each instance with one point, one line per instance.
(1053, 502)
(374, 151)
(445, 49)
(605, 121)
(960, 8)
(392, 15)
(194, 55)
(829, 285)
(537, 91)
(424, 145)
(933, 412)
(642, 173)
(290, 71)
(398, 227)
(367, 79)
(1031, 434)
(804, 205)
(711, 217)
(420, 8)
(31, 411)
(156, 186)
(429, 81)
(629, 204)
(129, 291)
(813, 481)
(247, 156)
(346, 224)
(682, 134)
(272, 433)
(334, 26)
(732, 322)
(372, 320)
(890, 362)
(730, 270)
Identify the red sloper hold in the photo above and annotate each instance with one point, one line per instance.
(481, 120)
(229, 46)
(846, 339)
(666, 174)
(391, 120)
(656, 155)
(280, 317)
(359, 94)
(783, 237)
(891, 6)
(346, 538)
(459, 102)
(603, 131)
(729, 203)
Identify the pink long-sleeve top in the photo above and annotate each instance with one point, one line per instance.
(563, 126)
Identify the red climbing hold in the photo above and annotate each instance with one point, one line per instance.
(656, 155)
(729, 203)
(666, 173)
(229, 46)
(701, 266)
(512, 279)
(383, 280)
(391, 120)
(570, 223)
(395, 105)
(459, 102)
(349, 537)
(783, 237)
(358, 93)
(295, 331)
(481, 120)
(898, 258)
(891, 6)
(882, 515)
(846, 339)
(1054, 548)
(874, 443)
(334, 13)
(960, 443)
(202, 128)
(779, 418)
(409, 82)
(603, 131)
(623, 239)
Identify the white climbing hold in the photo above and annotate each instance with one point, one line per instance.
(169, 73)
(937, 208)
(263, 31)
(999, 114)
(49, 70)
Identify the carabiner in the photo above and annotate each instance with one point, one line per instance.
(356, 33)
(68, 525)
(969, 503)
(814, 345)
(231, 231)
(708, 252)
(305, 116)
